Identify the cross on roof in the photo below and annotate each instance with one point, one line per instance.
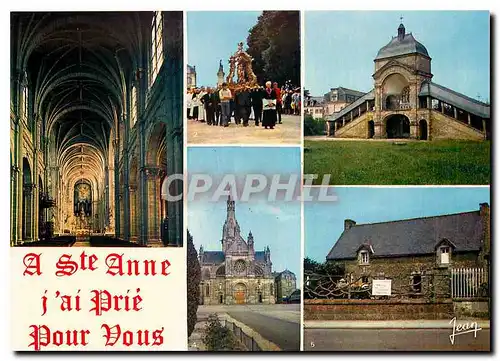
(401, 18)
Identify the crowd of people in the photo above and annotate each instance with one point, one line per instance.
(264, 105)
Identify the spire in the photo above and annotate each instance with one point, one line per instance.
(230, 205)
(401, 30)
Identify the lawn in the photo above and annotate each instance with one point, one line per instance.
(411, 163)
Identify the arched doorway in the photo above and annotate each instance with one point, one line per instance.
(423, 129)
(82, 205)
(371, 129)
(396, 92)
(240, 293)
(27, 201)
(397, 126)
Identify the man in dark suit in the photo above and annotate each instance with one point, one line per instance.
(244, 105)
(217, 109)
(209, 106)
(257, 96)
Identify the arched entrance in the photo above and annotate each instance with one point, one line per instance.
(27, 201)
(240, 293)
(397, 126)
(395, 92)
(423, 129)
(371, 129)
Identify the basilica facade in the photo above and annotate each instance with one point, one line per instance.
(96, 126)
(238, 274)
(406, 103)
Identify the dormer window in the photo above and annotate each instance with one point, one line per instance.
(444, 255)
(444, 249)
(364, 257)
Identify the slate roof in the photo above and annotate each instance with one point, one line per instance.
(452, 97)
(397, 47)
(260, 256)
(319, 101)
(368, 96)
(416, 236)
(215, 257)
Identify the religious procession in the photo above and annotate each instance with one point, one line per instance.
(244, 87)
(244, 99)
(224, 105)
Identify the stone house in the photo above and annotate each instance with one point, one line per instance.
(286, 283)
(418, 254)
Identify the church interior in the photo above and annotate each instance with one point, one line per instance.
(96, 128)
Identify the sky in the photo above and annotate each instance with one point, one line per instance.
(340, 47)
(274, 224)
(214, 35)
(324, 221)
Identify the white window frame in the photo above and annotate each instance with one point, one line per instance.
(442, 251)
(25, 101)
(156, 58)
(364, 257)
(133, 106)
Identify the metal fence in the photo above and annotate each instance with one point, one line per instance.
(247, 341)
(425, 284)
(469, 283)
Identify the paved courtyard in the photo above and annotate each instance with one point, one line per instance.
(279, 323)
(289, 132)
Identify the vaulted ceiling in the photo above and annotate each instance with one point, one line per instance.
(78, 67)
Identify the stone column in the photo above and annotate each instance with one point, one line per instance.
(126, 197)
(14, 208)
(28, 211)
(117, 188)
(455, 113)
(377, 130)
(133, 213)
(468, 119)
(429, 102)
(153, 198)
(36, 189)
(173, 26)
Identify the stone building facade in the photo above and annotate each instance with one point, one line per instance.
(286, 283)
(238, 274)
(416, 254)
(96, 99)
(406, 103)
(191, 77)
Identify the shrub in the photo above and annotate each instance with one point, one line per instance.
(193, 284)
(217, 337)
(313, 126)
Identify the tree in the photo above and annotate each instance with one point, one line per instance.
(310, 264)
(274, 43)
(193, 284)
(313, 126)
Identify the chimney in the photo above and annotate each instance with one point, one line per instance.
(348, 224)
(484, 212)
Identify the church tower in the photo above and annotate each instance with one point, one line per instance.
(401, 67)
(220, 75)
(231, 228)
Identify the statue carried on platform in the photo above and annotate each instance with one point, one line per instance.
(241, 63)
